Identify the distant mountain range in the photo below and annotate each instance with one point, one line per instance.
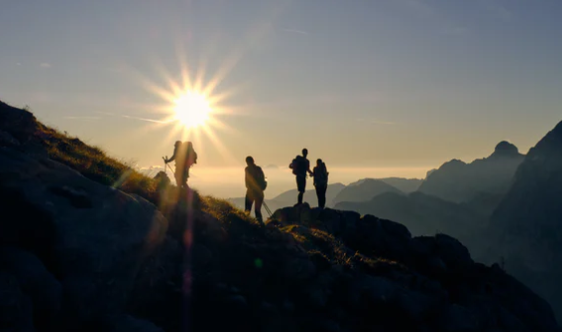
(289, 198)
(423, 214)
(506, 208)
(458, 181)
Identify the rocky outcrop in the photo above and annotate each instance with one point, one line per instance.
(426, 279)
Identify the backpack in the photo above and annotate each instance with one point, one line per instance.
(261, 180)
(298, 165)
(190, 155)
(259, 177)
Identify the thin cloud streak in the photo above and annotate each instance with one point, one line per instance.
(81, 117)
(138, 118)
(296, 31)
(45, 65)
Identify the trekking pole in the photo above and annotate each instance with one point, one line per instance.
(166, 164)
(267, 208)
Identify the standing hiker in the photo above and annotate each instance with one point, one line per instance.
(185, 156)
(301, 167)
(255, 185)
(320, 174)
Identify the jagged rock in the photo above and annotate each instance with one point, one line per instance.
(35, 281)
(97, 248)
(16, 312)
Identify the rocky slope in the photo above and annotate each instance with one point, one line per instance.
(79, 255)
(458, 181)
(526, 226)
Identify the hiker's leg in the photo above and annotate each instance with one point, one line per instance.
(248, 202)
(301, 185)
(179, 179)
(322, 197)
(259, 202)
(319, 195)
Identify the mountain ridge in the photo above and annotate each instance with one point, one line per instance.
(88, 244)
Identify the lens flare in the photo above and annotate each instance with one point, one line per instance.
(192, 109)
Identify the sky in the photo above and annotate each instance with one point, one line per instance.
(385, 87)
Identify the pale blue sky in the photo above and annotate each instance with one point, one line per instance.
(381, 83)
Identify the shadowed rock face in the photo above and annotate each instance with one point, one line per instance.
(458, 182)
(526, 226)
(91, 237)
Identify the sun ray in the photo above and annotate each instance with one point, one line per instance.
(225, 153)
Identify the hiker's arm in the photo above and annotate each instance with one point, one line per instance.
(172, 157)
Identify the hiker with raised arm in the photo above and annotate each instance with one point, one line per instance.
(185, 157)
(301, 167)
(255, 186)
(320, 174)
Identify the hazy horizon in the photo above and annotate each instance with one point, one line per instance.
(391, 84)
(229, 182)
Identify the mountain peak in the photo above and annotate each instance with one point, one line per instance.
(506, 149)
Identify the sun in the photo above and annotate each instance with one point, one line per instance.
(192, 109)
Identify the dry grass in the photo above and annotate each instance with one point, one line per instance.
(95, 164)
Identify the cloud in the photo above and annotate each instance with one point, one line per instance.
(45, 65)
(81, 117)
(137, 118)
(18, 64)
(296, 31)
(151, 171)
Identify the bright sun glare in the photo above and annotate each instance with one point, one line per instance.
(192, 109)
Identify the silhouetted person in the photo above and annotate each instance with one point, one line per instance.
(301, 166)
(320, 174)
(255, 185)
(185, 156)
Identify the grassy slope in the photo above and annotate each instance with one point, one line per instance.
(95, 164)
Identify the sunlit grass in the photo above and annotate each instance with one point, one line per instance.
(96, 165)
